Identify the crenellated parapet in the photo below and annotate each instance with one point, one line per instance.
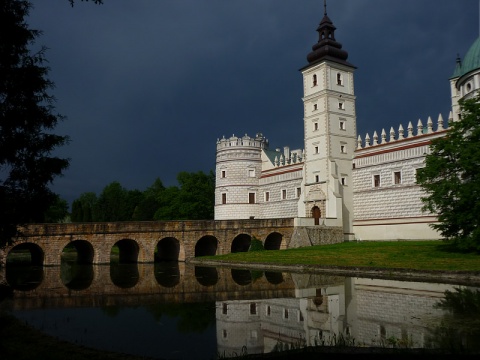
(259, 141)
(401, 134)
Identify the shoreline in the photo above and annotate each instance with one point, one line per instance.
(468, 278)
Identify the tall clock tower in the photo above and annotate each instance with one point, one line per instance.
(329, 131)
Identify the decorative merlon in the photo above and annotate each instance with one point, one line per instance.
(420, 130)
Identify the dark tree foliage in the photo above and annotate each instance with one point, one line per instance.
(451, 179)
(150, 202)
(27, 117)
(192, 200)
(58, 211)
(116, 203)
(83, 208)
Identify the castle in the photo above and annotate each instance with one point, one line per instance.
(365, 186)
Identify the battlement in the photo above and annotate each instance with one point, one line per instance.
(259, 141)
(420, 130)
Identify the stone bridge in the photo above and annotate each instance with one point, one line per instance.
(153, 241)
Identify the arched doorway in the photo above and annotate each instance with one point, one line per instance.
(316, 214)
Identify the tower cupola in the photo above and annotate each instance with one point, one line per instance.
(327, 48)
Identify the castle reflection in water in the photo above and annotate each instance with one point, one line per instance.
(256, 311)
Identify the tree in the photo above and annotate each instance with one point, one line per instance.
(58, 211)
(27, 117)
(83, 208)
(451, 179)
(196, 199)
(150, 202)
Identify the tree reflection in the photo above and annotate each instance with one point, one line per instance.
(459, 329)
(194, 318)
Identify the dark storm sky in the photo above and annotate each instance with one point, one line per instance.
(148, 86)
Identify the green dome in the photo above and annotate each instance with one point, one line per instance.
(470, 62)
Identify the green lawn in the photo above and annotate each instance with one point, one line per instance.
(419, 255)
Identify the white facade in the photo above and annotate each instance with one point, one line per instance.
(368, 187)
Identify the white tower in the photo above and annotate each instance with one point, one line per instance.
(330, 132)
(238, 170)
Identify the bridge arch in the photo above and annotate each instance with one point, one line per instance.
(274, 241)
(241, 243)
(26, 253)
(127, 251)
(206, 246)
(168, 249)
(84, 251)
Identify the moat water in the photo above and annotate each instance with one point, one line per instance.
(179, 311)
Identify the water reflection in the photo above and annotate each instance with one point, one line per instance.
(124, 275)
(75, 276)
(24, 278)
(167, 273)
(207, 276)
(231, 311)
(241, 277)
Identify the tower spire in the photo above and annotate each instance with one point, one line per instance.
(327, 47)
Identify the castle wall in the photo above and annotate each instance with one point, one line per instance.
(277, 186)
(386, 196)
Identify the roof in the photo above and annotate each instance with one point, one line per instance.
(470, 62)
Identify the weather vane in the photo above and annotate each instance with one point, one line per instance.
(325, 7)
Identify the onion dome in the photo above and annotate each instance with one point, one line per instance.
(327, 48)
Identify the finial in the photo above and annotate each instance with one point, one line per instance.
(325, 7)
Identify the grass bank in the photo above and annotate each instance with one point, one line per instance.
(411, 255)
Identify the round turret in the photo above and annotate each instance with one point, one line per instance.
(238, 167)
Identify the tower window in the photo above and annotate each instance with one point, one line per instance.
(314, 80)
(397, 177)
(343, 149)
(224, 198)
(224, 174)
(251, 173)
(251, 198)
(317, 178)
(342, 125)
(339, 79)
(341, 105)
(284, 194)
(315, 107)
(315, 126)
(299, 192)
(376, 180)
(224, 308)
(316, 149)
(344, 181)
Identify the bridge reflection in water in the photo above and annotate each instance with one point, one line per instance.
(259, 310)
(121, 284)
